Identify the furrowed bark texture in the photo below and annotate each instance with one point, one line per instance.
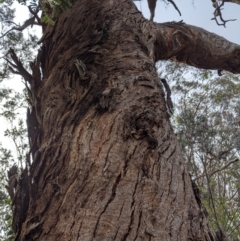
(106, 163)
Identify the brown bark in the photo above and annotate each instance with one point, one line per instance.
(230, 1)
(152, 6)
(106, 163)
(195, 46)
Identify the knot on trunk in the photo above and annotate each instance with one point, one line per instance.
(108, 99)
(142, 126)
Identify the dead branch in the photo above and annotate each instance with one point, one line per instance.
(218, 12)
(175, 6)
(17, 68)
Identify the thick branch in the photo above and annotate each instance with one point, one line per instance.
(195, 46)
(152, 6)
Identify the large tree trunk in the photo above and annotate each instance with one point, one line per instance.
(106, 164)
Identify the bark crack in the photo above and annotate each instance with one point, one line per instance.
(127, 161)
(121, 210)
(67, 191)
(132, 214)
(106, 206)
(139, 223)
(129, 227)
(106, 159)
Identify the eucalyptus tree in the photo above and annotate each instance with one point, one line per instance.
(206, 121)
(104, 162)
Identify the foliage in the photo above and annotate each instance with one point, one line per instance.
(207, 123)
(12, 108)
(5, 203)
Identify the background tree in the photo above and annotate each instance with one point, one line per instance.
(12, 105)
(103, 155)
(206, 121)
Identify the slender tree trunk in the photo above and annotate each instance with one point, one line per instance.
(106, 164)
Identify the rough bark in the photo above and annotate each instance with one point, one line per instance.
(106, 164)
(194, 46)
(231, 1)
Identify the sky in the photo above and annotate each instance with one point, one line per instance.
(198, 13)
(194, 12)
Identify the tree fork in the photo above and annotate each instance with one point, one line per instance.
(107, 165)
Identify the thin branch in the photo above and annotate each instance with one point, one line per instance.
(218, 13)
(218, 170)
(35, 13)
(30, 22)
(224, 21)
(27, 23)
(211, 196)
(175, 6)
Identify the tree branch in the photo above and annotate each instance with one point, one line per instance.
(211, 196)
(29, 22)
(218, 170)
(17, 67)
(175, 6)
(152, 6)
(218, 12)
(194, 46)
(231, 1)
